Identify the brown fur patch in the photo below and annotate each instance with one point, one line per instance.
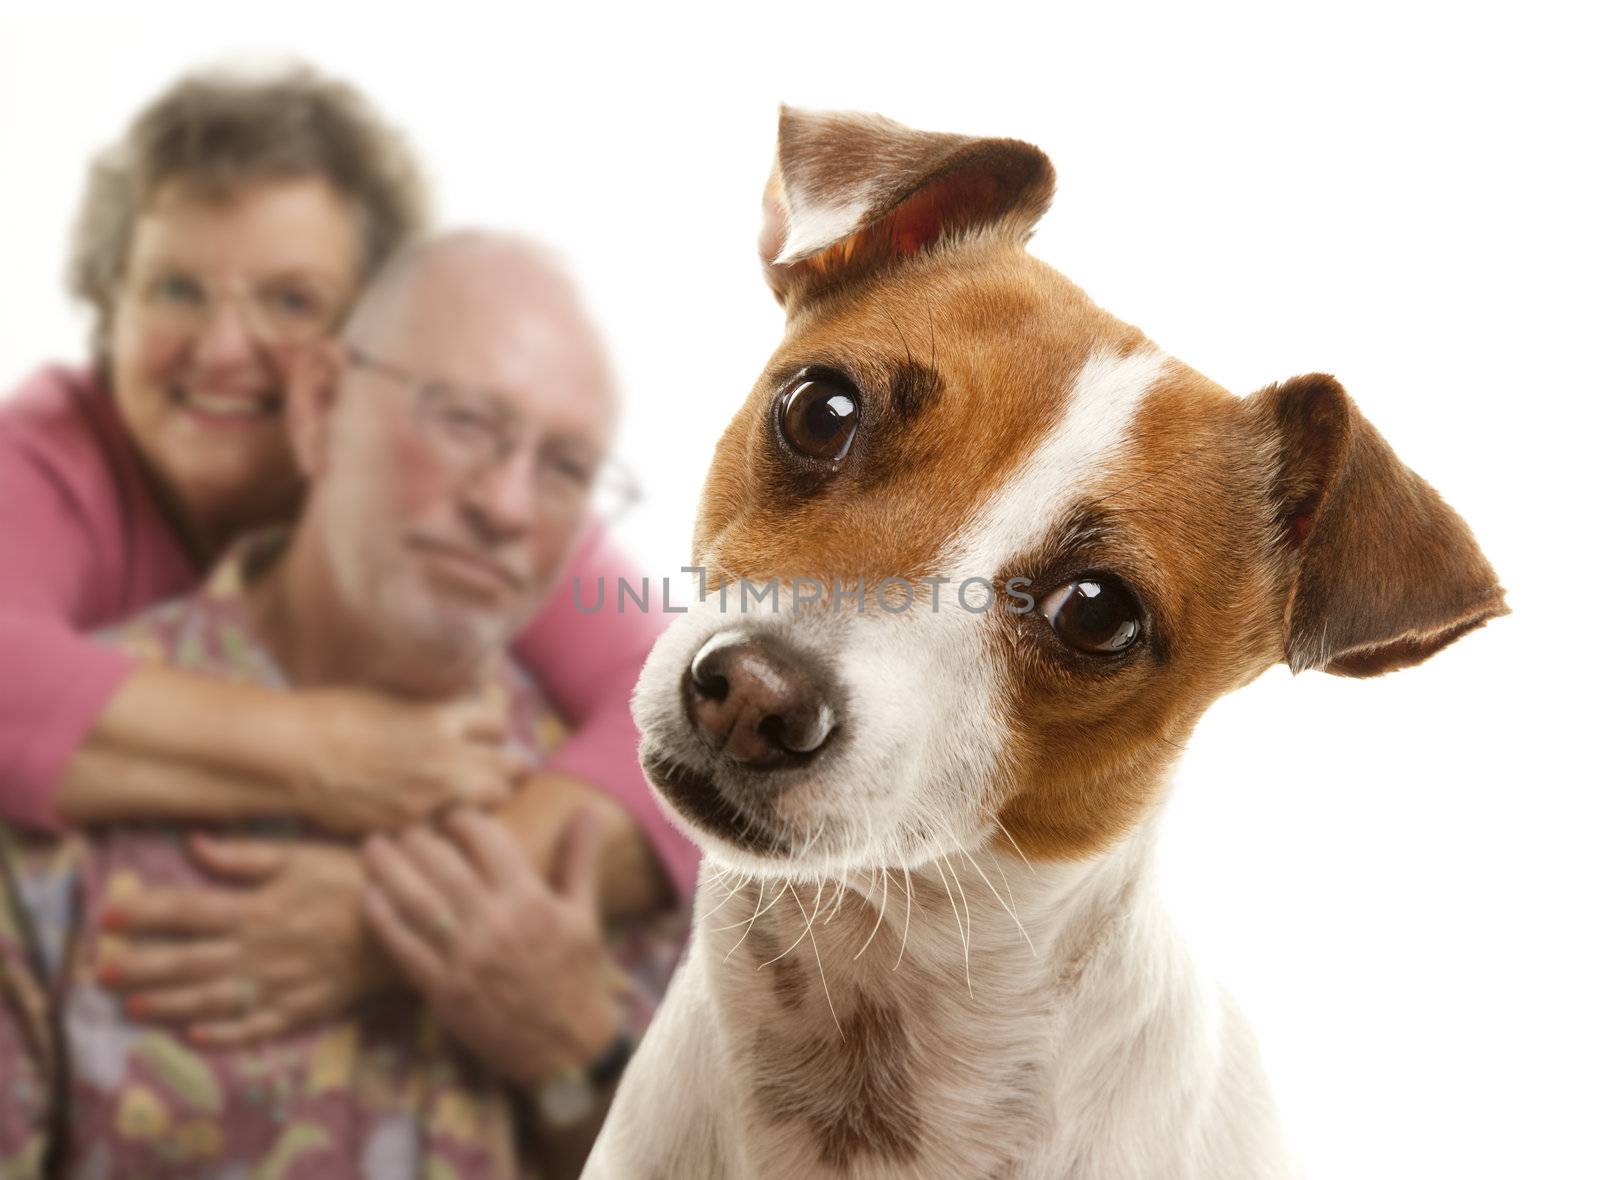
(1183, 519)
(855, 1094)
(1003, 335)
(1231, 514)
(1389, 573)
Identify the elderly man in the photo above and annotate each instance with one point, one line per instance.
(452, 442)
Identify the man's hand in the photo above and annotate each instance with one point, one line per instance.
(514, 968)
(235, 965)
(379, 764)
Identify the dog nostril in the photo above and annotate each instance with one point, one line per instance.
(711, 687)
(704, 675)
(753, 702)
(801, 731)
(774, 730)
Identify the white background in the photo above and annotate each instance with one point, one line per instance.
(1396, 877)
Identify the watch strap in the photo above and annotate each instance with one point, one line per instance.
(605, 1069)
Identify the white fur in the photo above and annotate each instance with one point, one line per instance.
(818, 224)
(1102, 1056)
(1081, 449)
(813, 226)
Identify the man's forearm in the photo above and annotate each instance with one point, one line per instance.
(631, 878)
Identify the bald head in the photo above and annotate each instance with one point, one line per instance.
(498, 296)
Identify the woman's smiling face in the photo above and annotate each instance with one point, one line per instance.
(217, 296)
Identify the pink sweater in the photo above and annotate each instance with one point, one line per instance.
(83, 545)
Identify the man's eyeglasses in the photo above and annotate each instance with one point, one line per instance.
(474, 431)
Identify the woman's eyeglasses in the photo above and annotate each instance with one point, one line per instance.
(276, 310)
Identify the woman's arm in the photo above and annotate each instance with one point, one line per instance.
(182, 744)
(53, 684)
(54, 547)
(631, 880)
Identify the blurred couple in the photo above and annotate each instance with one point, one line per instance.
(325, 846)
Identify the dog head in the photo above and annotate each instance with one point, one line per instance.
(979, 555)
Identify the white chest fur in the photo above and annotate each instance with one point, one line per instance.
(904, 1025)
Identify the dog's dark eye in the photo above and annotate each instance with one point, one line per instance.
(818, 414)
(1095, 614)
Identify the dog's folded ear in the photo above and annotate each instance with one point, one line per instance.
(1386, 573)
(851, 193)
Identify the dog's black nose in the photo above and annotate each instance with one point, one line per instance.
(754, 701)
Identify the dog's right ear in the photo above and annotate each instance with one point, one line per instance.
(1385, 572)
(851, 193)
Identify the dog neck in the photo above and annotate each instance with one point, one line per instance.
(949, 1012)
(987, 918)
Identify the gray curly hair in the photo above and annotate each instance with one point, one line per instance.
(220, 129)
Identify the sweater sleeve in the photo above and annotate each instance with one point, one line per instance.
(586, 661)
(54, 682)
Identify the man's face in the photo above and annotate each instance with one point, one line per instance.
(469, 425)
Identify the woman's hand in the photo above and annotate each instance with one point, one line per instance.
(375, 763)
(513, 968)
(235, 965)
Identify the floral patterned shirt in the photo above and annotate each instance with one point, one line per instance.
(380, 1094)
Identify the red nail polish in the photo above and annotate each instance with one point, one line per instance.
(112, 918)
(109, 974)
(136, 1006)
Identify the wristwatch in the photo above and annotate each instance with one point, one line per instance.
(572, 1095)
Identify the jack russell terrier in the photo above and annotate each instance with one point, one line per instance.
(977, 557)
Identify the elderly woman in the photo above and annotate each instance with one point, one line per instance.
(231, 228)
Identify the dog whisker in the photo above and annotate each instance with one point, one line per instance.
(956, 914)
(750, 925)
(906, 933)
(956, 843)
(1015, 845)
(728, 896)
(1008, 909)
(812, 839)
(838, 900)
(817, 902)
(966, 909)
(903, 342)
(1004, 878)
(882, 909)
(822, 975)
